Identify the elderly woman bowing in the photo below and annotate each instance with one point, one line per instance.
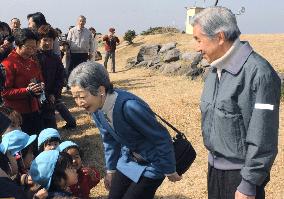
(138, 149)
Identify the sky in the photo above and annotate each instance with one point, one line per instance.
(260, 16)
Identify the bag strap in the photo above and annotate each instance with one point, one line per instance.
(170, 125)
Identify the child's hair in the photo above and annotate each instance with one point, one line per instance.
(64, 162)
(52, 139)
(4, 163)
(14, 116)
(74, 147)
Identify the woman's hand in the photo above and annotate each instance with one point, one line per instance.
(107, 180)
(34, 88)
(174, 177)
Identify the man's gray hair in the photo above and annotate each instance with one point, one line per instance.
(214, 20)
(82, 17)
(90, 76)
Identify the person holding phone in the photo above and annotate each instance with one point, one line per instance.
(23, 84)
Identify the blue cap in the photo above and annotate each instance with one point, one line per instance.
(43, 166)
(46, 134)
(65, 145)
(16, 141)
(2, 148)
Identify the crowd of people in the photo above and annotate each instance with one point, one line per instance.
(239, 109)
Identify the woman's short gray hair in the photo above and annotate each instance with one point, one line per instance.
(213, 20)
(90, 76)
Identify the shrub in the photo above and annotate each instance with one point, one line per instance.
(129, 36)
(159, 30)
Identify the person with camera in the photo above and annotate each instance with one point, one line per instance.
(6, 40)
(111, 41)
(24, 82)
(139, 151)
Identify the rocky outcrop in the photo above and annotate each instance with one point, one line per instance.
(168, 60)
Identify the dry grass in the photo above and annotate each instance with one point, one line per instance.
(177, 100)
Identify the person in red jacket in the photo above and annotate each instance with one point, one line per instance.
(87, 177)
(111, 41)
(23, 84)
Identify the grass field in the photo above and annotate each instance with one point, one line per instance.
(176, 99)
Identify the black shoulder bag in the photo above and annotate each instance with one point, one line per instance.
(184, 152)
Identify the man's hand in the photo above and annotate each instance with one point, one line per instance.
(41, 194)
(239, 195)
(107, 180)
(174, 177)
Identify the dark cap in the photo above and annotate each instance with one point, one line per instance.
(111, 30)
(5, 123)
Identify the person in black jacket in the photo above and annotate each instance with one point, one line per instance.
(54, 77)
(53, 74)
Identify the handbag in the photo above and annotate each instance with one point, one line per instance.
(184, 151)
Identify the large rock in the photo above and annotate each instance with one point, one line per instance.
(154, 61)
(142, 64)
(171, 55)
(189, 56)
(203, 63)
(170, 68)
(148, 52)
(195, 72)
(168, 46)
(185, 67)
(131, 62)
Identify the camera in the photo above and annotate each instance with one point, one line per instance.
(42, 97)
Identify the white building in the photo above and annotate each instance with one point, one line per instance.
(189, 14)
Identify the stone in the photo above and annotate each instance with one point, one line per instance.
(142, 64)
(168, 46)
(154, 61)
(170, 68)
(194, 73)
(148, 52)
(203, 63)
(171, 55)
(131, 62)
(189, 56)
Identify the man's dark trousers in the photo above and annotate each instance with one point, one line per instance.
(76, 59)
(110, 54)
(222, 184)
(124, 188)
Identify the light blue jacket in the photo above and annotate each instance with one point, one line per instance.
(136, 129)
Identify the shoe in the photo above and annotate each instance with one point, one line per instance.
(69, 126)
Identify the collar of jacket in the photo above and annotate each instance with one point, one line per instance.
(237, 60)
